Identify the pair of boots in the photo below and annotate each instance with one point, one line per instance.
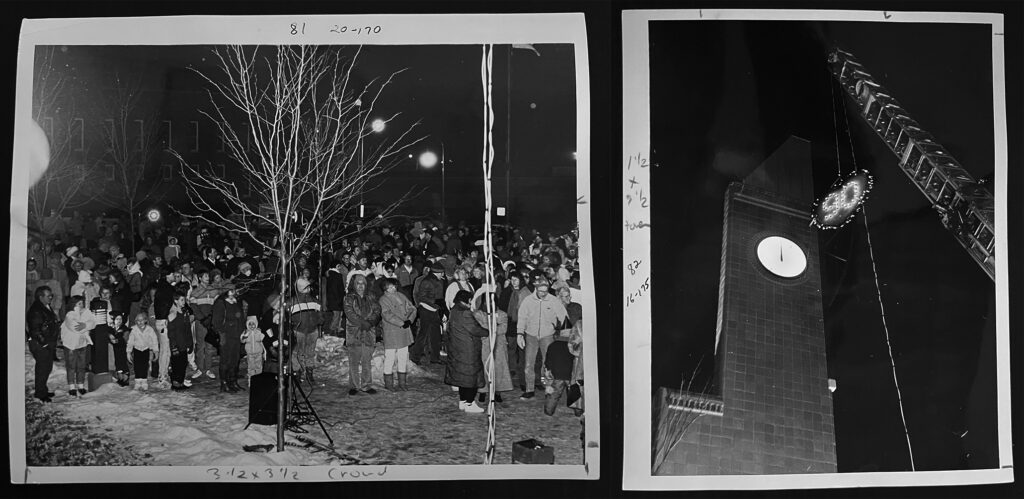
(122, 378)
(77, 390)
(389, 382)
(230, 386)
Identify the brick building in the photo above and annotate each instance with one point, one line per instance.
(770, 410)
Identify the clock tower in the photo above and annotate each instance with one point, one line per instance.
(772, 410)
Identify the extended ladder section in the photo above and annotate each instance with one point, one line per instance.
(965, 207)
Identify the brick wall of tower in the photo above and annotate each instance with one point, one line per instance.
(771, 358)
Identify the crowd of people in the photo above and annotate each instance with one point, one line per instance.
(164, 303)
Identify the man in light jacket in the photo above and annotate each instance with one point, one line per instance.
(539, 315)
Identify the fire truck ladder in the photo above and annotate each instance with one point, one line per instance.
(964, 206)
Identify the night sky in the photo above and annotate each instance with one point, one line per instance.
(724, 95)
(440, 88)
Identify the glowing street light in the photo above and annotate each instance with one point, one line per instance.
(378, 125)
(153, 215)
(428, 159)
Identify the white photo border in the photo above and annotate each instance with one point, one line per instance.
(636, 462)
(398, 29)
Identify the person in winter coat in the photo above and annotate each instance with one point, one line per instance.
(252, 337)
(407, 275)
(74, 335)
(121, 296)
(464, 342)
(305, 319)
(539, 315)
(461, 283)
(173, 251)
(142, 348)
(248, 287)
(163, 300)
(502, 378)
(515, 292)
(118, 339)
(229, 323)
(270, 326)
(99, 348)
(43, 333)
(559, 360)
(336, 298)
(362, 321)
(179, 336)
(201, 300)
(397, 313)
(428, 295)
(84, 287)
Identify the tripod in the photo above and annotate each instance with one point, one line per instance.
(295, 415)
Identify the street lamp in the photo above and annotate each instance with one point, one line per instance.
(376, 126)
(428, 159)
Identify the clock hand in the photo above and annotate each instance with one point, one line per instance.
(781, 258)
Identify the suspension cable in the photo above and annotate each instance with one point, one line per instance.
(881, 304)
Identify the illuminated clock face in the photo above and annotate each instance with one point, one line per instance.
(781, 257)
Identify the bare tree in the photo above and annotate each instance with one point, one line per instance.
(296, 125)
(63, 185)
(130, 137)
(673, 420)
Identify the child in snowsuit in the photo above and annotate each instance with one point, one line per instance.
(74, 335)
(117, 339)
(253, 339)
(143, 347)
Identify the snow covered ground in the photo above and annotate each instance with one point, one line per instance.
(205, 427)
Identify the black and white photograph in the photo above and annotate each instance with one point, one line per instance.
(304, 248)
(825, 264)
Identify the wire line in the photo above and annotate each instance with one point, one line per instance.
(881, 304)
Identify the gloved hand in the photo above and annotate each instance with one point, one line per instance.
(406, 325)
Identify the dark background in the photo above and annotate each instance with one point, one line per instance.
(438, 86)
(604, 35)
(762, 82)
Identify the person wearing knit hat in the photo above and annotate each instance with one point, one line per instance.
(140, 255)
(71, 251)
(306, 318)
